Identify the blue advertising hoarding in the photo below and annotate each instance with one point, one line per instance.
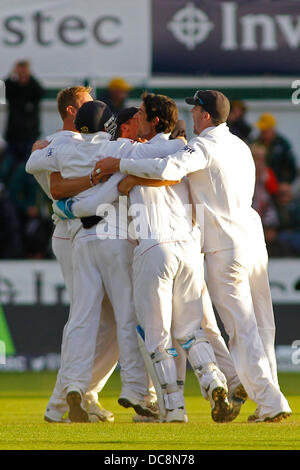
(226, 37)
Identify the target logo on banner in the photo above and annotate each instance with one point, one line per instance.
(190, 26)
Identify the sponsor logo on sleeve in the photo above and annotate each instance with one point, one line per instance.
(188, 149)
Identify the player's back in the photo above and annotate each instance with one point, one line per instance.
(78, 158)
(164, 213)
(227, 183)
(225, 187)
(63, 137)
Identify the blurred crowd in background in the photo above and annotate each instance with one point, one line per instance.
(25, 212)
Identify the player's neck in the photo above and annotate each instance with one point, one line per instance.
(69, 125)
(149, 136)
(202, 128)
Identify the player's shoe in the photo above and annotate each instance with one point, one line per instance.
(76, 413)
(253, 417)
(175, 416)
(236, 399)
(97, 412)
(54, 416)
(276, 418)
(148, 419)
(140, 406)
(63, 208)
(220, 406)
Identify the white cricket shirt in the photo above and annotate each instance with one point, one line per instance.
(221, 175)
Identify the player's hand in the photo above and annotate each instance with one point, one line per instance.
(107, 166)
(182, 138)
(126, 185)
(40, 144)
(179, 131)
(99, 178)
(105, 178)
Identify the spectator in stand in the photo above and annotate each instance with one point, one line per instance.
(33, 213)
(288, 210)
(116, 96)
(263, 172)
(236, 120)
(4, 163)
(266, 187)
(279, 152)
(10, 238)
(23, 95)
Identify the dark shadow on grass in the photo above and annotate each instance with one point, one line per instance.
(24, 397)
(84, 442)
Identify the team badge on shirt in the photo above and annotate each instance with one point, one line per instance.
(188, 149)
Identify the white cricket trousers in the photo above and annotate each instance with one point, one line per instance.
(98, 265)
(148, 283)
(62, 249)
(261, 295)
(168, 281)
(107, 349)
(229, 286)
(214, 336)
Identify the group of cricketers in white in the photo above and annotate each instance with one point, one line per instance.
(135, 216)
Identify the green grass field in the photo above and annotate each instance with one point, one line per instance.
(23, 398)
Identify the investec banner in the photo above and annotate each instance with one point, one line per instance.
(226, 37)
(41, 282)
(77, 38)
(34, 309)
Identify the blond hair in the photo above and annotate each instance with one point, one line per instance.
(69, 97)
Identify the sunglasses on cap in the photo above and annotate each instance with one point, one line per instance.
(197, 98)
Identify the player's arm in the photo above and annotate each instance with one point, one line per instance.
(41, 160)
(140, 151)
(130, 181)
(107, 193)
(61, 188)
(40, 144)
(191, 158)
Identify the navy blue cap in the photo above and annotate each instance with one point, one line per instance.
(213, 101)
(126, 114)
(95, 116)
(123, 117)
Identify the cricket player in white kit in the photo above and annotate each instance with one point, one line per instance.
(107, 347)
(107, 352)
(222, 176)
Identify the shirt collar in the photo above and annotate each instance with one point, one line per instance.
(96, 137)
(159, 136)
(221, 128)
(64, 133)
